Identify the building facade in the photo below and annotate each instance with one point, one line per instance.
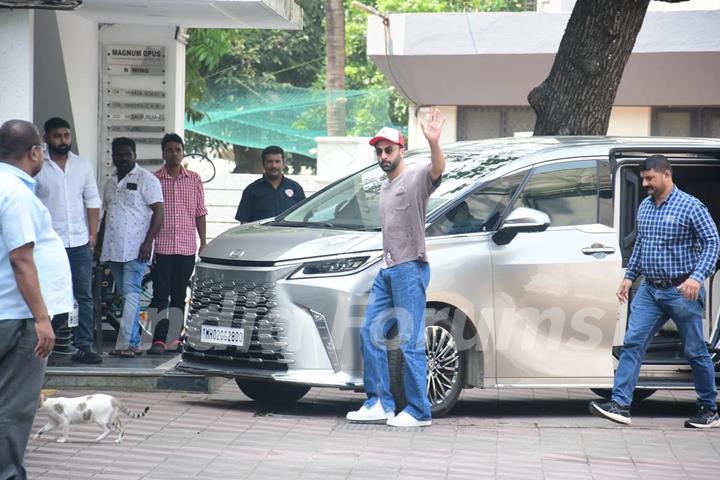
(113, 67)
(479, 68)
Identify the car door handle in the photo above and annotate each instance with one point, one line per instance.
(597, 248)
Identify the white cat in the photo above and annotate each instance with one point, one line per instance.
(99, 408)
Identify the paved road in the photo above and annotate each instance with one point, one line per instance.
(509, 434)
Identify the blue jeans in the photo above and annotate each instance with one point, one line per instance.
(397, 296)
(128, 279)
(651, 308)
(81, 269)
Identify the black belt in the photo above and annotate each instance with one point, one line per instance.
(673, 282)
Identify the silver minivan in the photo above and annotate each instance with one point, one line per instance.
(527, 240)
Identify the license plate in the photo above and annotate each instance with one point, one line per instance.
(222, 335)
(73, 318)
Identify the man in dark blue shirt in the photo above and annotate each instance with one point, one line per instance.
(272, 194)
(676, 249)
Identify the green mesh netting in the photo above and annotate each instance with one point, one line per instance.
(291, 117)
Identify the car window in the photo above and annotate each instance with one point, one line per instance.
(352, 203)
(567, 192)
(481, 210)
(605, 205)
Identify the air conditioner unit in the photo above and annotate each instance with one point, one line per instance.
(42, 4)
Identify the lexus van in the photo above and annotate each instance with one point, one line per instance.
(527, 238)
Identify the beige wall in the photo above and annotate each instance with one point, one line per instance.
(624, 121)
(16, 64)
(567, 5)
(415, 136)
(223, 193)
(630, 121)
(341, 156)
(79, 42)
(496, 58)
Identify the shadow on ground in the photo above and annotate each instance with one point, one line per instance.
(337, 405)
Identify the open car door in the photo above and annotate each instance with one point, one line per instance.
(697, 172)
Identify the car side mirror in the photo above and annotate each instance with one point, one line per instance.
(521, 220)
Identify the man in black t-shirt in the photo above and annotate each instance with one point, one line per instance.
(271, 194)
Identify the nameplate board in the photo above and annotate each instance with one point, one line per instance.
(134, 55)
(150, 161)
(150, 117)
(135, 70)
(136, 105)
(135, 92)
(148, 141)
(135, 128)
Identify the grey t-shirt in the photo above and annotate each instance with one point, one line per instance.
(402, 215)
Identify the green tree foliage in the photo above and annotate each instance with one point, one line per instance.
(203, 54)
(244, 57)
(238, 59)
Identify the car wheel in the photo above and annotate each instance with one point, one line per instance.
(639, 394)
(446, 369)
(271, 392)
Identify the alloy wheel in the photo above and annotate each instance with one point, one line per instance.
(443, 366)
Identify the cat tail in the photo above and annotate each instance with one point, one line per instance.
(128, 412)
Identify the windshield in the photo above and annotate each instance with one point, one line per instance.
(353, 203)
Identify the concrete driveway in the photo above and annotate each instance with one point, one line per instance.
(509, 434)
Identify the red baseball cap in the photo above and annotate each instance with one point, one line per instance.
(389, 134)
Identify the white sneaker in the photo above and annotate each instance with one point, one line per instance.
(404, 419)
(376, 413)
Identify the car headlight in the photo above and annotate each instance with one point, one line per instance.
(332, 267)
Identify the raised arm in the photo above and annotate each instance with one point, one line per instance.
(432, 132)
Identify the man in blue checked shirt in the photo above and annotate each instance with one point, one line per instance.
(676, 249)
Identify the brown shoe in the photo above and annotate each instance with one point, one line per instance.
(136, 350)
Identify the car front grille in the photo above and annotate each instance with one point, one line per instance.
(251, 305)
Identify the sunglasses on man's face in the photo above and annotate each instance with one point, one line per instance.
(388, 150)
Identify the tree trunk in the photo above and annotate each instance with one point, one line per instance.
(578, 95)
(247, 160)
(335, 78)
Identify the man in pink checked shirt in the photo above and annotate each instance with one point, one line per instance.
(176, 244)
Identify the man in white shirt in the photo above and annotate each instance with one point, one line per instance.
(66, 185)
(134, 214)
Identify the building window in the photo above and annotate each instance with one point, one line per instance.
(686, 122)
(476, 123)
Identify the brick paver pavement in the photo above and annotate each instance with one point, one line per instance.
(509, 434)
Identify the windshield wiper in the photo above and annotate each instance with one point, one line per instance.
(339, 227)
(324, 225)
(287, 223)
